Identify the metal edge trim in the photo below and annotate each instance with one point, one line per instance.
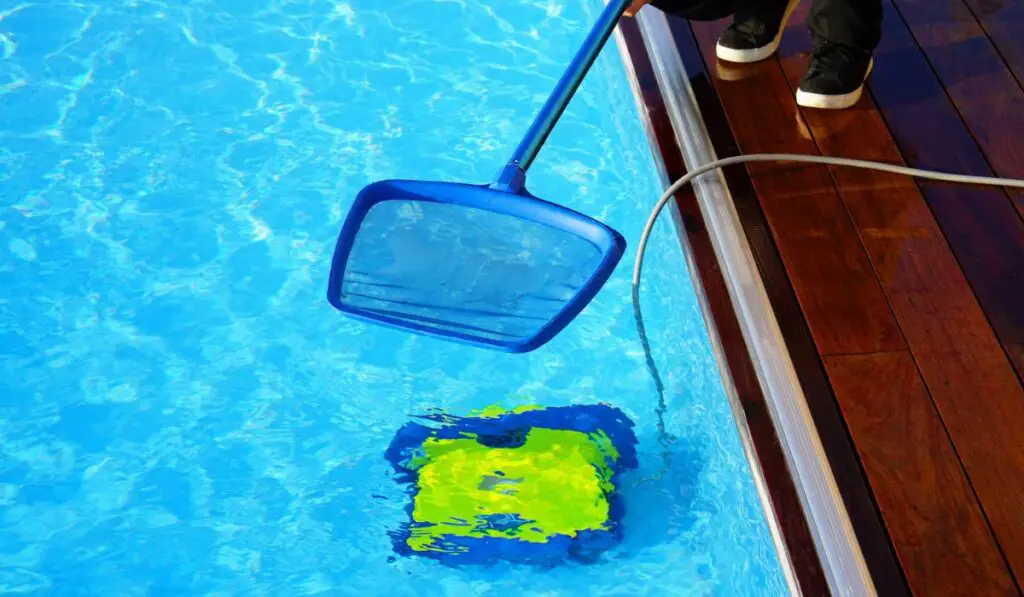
(829, 522)
(740, 417)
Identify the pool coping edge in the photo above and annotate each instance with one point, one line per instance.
(832, 531)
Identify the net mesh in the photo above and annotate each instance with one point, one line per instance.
(462, 269)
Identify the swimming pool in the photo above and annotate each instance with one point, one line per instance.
(181, 411)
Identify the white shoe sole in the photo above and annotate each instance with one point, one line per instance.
(832, 102)
(757, 54)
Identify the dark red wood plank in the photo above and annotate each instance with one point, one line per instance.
(941, 536)
(978, 222)
(867, 523)
(694, 235)
(965, 368)
(1003, 21)
(975, 76)
(1017, 356)
(841, 299)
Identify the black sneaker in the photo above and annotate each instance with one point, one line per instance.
(754, 36)
(835, 77)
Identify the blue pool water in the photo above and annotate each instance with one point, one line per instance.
(181, 411)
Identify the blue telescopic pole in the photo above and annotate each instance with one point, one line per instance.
(512, 177)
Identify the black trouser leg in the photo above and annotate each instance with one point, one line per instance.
(856, 23)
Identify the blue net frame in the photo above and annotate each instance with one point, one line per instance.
(428, 299)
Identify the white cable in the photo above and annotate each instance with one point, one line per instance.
(813, 159)
(769, 157)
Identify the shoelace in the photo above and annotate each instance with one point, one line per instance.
(830, 57)
(748, 25)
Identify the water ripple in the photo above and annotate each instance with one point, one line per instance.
(181, 410)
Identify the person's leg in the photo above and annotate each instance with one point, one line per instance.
(846, 34)
(854, 23)
(756, 30)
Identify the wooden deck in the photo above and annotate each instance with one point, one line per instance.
(902, 301)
